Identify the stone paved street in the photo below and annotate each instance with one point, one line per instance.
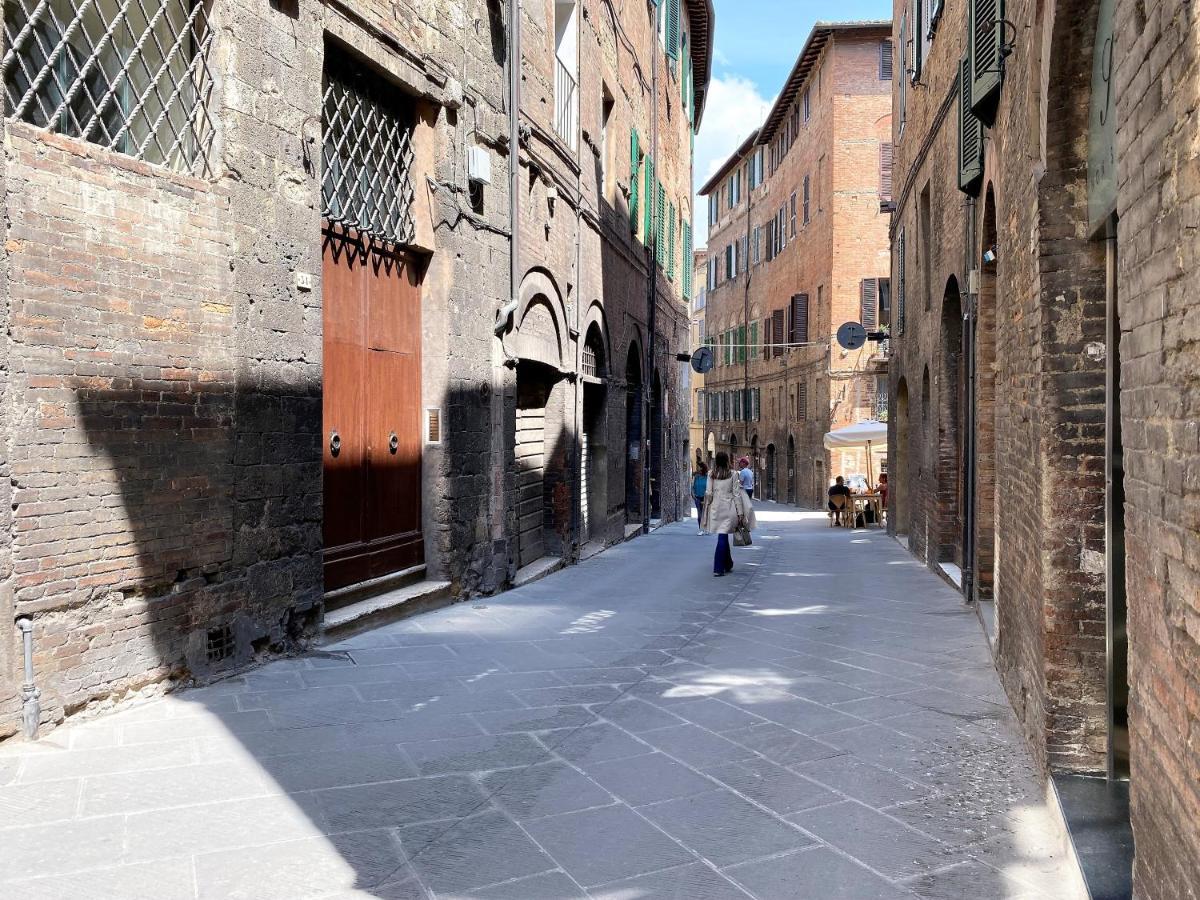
(824, 723)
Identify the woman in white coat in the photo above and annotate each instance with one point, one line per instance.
(726, 506)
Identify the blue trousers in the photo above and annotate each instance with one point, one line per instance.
(723, 558)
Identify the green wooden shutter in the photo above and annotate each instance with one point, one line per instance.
(673, 30)
(660, 207)
(687, 261)
(670, 242)
(970, 135)
(741, 339)
(985, 55)
(648, 203)
(754, 339)
(634, 175)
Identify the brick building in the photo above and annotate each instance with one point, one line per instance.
(1043, 383)
(270, 346)
(797, 246)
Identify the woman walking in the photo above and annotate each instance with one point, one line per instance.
(726, 507)
(699, 489)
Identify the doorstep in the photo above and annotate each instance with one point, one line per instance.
(1096, 811)
(952, 573)
(383, 608)
(537, 569)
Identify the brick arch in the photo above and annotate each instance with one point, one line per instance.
(541, 334)
(951, 387)
(899, 515)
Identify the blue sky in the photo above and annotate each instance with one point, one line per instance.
(757, 42)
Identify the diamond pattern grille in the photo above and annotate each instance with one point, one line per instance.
(367, 154)
(130, 75)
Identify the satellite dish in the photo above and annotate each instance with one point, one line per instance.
(702, 360)
(851, 336)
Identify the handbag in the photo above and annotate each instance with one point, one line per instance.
(741, 536)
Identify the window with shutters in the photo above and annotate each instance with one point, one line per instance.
(886, 155)
(916, 56)
(868, 292)
(741, 343)
(757, 244)
(777, 331)
(902, 86)
(799, 334)
(807, 188)
(900, 281)
(792, 214)
(714, 207)
(782, 218)
(660, 230)
(985, 52)
(802, 401)
(970, 135)
(885, 302)
(807, 104)
(885, 60)
(670, 242)
(753, 340)
(672, 31)
(133, 78)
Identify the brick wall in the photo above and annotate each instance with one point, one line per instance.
(1158, 195)
(843, 242)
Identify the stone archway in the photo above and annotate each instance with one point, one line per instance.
(900, 488)
(949, 467)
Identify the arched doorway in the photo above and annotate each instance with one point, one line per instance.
(982, 433)
(755, 462)
(654, 446)
(772, 488)
(949, 422)
(593, 449)
(898, 494)
(633, 434)
(733, 448)
(791, 471)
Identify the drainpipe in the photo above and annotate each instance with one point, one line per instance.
(656, 224)
(970, 317)
(31, 707)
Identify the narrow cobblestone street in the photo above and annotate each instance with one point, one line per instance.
(824, 723)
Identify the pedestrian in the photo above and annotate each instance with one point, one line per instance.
(746, 476)
(726, 508)
(699, 489)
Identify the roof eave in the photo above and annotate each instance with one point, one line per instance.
(703, 23)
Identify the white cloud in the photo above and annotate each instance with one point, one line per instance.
(733, 109)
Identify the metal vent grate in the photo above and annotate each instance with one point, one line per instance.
(433, 426)
(367, 154)
(220, 644)
(129, 75)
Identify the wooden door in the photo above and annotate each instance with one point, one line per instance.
(372, 394)
(530, 449)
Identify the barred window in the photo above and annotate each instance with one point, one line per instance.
(367, 154)
(129, 75)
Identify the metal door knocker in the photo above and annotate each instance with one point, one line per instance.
(335, 443)
(393, 442)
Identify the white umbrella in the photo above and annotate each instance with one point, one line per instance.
(861, 434)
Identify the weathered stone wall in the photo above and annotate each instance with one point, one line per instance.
(1157, 81)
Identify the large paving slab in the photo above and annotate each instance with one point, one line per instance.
(824, 723)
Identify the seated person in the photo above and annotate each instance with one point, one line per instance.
(883, 489)
(839, 487)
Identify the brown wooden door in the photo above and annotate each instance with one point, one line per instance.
(372, 394)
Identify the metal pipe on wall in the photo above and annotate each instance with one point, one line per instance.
(31, 707)
(971, 316)
(652, 316)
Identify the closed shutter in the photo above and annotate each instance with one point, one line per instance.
(673, 30)
(867, 301)
(648, 204)
(885, 60)
(741, 343)
(634, 177)
(800, 318)
(970, 135)
(687, 260)
(670, 241)
(754, 340)
(660, 234)
(916, 60)
(777, 330)
(806, 198)
(802, 401)
(985, 56)
(886, 154)
(767, 340)
(900, 283)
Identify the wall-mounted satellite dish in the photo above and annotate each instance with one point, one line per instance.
(702, 360)
(851, 336)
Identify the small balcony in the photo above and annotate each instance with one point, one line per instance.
(566, 105)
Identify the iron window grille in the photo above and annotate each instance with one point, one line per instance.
(367, 155)
(129, 75)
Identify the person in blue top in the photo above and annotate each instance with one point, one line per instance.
(746, 476)
(699, 489)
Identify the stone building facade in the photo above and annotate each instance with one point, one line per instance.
(797, 247)
(270, 348)
(1043, 380)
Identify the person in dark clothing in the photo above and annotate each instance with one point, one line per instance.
(839, 489)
